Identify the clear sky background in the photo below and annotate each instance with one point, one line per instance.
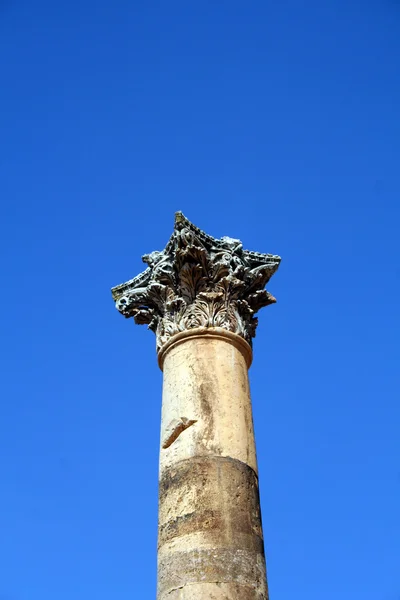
(274, 122)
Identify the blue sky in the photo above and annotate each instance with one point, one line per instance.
(274, 122)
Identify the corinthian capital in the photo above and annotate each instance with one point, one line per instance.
(198, 281)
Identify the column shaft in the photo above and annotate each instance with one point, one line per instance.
(210, 543)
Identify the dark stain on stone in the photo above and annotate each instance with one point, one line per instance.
(206, 520)
(206, 510)
(205, 392)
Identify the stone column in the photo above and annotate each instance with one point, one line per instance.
(199, 296)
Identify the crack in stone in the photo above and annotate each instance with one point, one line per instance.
(175, 429)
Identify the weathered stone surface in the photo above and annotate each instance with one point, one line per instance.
(198, 281)
(216, 591)
(206, 380)
(212, 565)
(210, 533)
(225, 507)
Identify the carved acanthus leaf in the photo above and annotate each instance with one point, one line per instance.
(198, 281)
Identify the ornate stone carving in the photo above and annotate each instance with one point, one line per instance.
(198, 281)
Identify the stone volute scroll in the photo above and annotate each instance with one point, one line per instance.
(198, 281)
